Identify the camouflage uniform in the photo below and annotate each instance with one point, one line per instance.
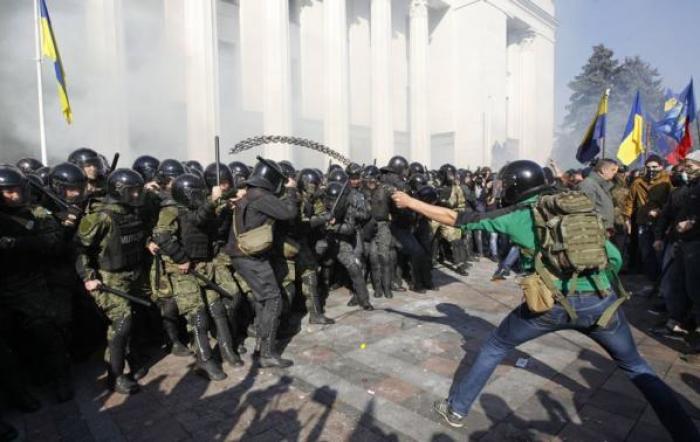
(188, 235)
(111, 247)
(454, 198)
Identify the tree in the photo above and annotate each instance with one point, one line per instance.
(601, 71)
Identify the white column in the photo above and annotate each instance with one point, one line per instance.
(336, 115)
(107, 71)
(277, 77)
(418, 82)
(480, 76)
(201, 78)
(543, 52)
(528, 99)
(382, 127)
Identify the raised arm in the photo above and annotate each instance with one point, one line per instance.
(442, 215)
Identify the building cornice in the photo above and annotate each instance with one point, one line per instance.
(528, 6)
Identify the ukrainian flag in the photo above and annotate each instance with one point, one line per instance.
(632, 145)
(595, 134)
(50, 50)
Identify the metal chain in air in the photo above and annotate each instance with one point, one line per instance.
(252, 142)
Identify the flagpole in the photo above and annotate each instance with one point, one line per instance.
(39, 83)
(605, 135)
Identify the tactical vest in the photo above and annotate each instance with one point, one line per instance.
(196, 240)
(379, 204)
(125, 244)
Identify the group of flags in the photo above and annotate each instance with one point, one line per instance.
(670, 137)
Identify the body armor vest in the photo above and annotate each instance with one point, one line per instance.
(379, 204)
(126, 242)
(196, 239)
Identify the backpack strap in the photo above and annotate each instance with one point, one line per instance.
(623, 295)
(556, 293)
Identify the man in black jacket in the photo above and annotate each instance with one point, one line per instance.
(259, 209)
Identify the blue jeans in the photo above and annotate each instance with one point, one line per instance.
(521, 326)
(510, 259)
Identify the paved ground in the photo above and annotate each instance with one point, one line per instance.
(374, 376)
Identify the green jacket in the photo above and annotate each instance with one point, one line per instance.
(519, 226)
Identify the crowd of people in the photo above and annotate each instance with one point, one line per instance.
(97, 258)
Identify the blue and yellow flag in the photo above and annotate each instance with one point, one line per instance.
(632, 145)
(595, 134)
(50, 50)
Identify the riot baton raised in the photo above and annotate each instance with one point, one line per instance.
(115, 161)
(125, 295)
(64, 206)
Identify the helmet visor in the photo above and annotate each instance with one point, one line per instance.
(132, 196)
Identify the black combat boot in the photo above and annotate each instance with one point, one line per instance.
(268, 331)
(316, 316)
(223, 336)
(120, 382)
(205, 360)
(177, 348)
(459, 257)
(269, 357)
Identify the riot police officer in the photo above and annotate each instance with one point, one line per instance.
(24, 295)
(94, 168)
(111, 243)
(250, 243)
(339, 224)
(186, 234)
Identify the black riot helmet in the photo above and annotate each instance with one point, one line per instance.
(397, 165)
(147, 166)
(224, 172)
(238, 168)
(194, 165)
(67, 176)
(371, 172)
(448, 174)
(84, 157)
(169, 170)
(334, 167)
(427, 194)
(415, 167)
(518, 181)
(332, 194)
(12, 177)
(353, 170)
(125, 186)
(417, 182)
(337, 176)
(189, 190)
(287, 168)
(267, 175)
(309, 180)
(27, 165)
(43, 173)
